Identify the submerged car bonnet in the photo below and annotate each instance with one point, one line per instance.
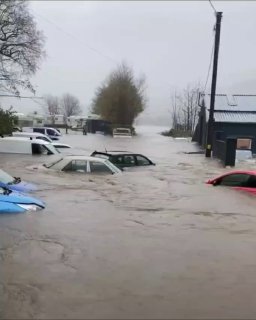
(15, 197)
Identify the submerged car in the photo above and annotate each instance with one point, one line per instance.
(124, 159)
(244, 180)
(14, 183)
(40, 136)
(83, 164)
(15, 202)
(122, 133)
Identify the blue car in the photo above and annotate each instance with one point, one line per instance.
(15, 202)
(15, 184)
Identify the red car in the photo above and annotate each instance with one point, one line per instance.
(241, 180)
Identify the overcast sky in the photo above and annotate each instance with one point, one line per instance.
(169, 42)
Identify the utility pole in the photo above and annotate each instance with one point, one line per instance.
(208, 151)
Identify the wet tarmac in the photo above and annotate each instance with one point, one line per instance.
(149, 243)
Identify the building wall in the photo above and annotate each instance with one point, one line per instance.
(237, 130)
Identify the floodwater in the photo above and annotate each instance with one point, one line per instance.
(148, 243)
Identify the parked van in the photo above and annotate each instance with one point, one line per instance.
(37, 135)
(52, 133)
(34, 135)
(26, 146)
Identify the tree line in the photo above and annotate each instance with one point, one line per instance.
(119, 99)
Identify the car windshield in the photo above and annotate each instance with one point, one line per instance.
(52, 149)
(6, 178)
(52, 163)
(44, 138)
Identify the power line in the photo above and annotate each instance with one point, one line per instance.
(19, 97)
(76, 38)
(215, 11)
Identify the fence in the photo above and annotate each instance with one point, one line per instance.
(225, 151)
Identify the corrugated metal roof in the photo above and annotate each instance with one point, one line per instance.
(236, 102)
(241, 117)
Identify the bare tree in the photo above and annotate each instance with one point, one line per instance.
(185, 109)
(70, 105)
(53, 106)
(21, 46)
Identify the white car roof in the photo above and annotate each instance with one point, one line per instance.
(19, 139)
(32, 134)
(82, 157)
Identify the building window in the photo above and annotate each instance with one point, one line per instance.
(244, 144)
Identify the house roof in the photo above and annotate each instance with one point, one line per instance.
(235, 102)
(231, 108)
(241, 117)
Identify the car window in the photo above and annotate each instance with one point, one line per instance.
(41, 130)
(251, 183)
(142, 161)
(5, 177)
(99, 167)
(36, 148)
(42, 138)
(76, 166)
(50, 132)
(129, 160)
(117, 159)
(235, 180)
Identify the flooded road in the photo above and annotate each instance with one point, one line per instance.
(149, 243)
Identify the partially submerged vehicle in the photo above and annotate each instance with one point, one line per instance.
(26, 146)
(124, 159)
(52, 133)
(40, 136)
(122, 133)
(83, 164)
(14, 202)
(244, 180)
(15, 183)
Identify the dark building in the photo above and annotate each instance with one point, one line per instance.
(98, 125)
(234, 117)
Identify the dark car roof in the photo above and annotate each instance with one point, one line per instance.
(115, 152)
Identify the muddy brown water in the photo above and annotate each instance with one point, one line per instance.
(149, 243)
